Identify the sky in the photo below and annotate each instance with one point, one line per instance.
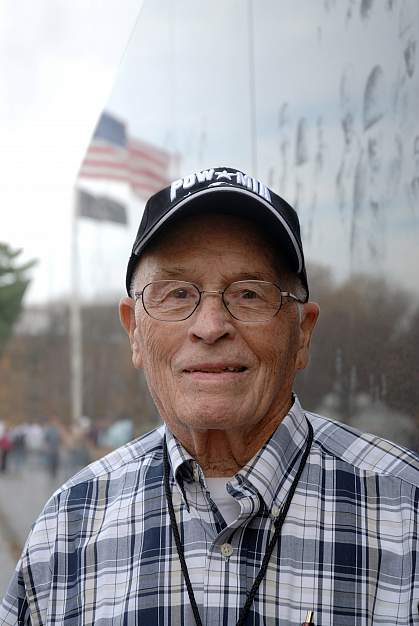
(179, 74)
(58, 62)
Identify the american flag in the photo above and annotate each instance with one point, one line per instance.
(113, 155)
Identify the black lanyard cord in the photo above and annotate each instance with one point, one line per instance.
(176, 535)
(278, 526)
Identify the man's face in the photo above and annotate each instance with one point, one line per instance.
(185, 363)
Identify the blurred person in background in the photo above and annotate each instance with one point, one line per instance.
(35, 444)
(5, 446)
(18, 451)
(52, 439)
(243, 508)
(77, 445)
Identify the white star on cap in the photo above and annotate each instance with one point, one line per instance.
(223, 174)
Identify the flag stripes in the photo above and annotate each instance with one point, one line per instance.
(112, 155)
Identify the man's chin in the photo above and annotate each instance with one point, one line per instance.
(204, 417)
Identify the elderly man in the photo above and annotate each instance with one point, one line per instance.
(243, 508)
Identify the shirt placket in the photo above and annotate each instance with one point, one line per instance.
(225, 580)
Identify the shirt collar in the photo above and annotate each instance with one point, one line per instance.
(273, 468)
(270, 472)
(181, 461)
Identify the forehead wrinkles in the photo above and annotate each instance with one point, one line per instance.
(214, 238)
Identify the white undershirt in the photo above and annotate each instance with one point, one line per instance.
(227, 505)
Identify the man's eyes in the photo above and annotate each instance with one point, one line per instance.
(180, 293)
(248, 294)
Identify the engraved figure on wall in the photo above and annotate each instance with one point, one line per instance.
(368, 230)
(303, 173)
(284, 146)
(345, 178)
(413, 185)
(405, 89)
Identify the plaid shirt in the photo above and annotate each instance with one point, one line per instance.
(102, 551)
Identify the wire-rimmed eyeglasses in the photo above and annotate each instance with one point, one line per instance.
(245, 300)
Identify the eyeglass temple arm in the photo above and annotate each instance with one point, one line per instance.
(288, 294)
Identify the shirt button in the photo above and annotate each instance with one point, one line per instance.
(226, 550)
(275, 511)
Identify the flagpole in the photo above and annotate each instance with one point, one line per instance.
(252, 89)
(76, 361)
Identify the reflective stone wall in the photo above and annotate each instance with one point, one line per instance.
(320, 100)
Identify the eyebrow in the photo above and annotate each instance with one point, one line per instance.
(183, 273)
(253, 276)
(172, 272)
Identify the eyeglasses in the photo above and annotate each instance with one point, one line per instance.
(245, 300)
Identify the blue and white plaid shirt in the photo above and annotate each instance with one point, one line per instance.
(102, 552)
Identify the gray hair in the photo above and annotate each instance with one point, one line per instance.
(132, 288)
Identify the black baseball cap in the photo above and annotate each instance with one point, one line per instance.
(222, 190)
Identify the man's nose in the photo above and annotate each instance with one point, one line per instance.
(211, 321)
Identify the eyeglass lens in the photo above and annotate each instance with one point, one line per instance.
(250, 300)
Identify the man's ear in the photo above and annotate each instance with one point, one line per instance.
(128, 321)
(309, 315)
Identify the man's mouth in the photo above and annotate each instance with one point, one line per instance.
(216, 370)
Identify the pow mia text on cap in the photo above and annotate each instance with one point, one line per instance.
(238, 178)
